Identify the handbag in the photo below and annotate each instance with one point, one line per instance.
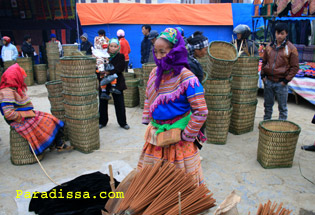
(27, 114)
(169, 137)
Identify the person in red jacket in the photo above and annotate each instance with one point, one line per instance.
(124, 47)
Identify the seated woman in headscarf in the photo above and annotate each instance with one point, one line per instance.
(174, 100)
(41, 130)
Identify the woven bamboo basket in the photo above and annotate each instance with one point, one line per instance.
(80, 122)
(142, 96)
(80, 99)
(83, 128)
(7, 64)
(27, 64)
(138, 73)
(40, 71)
(217, 125)
(129, 75)
(218, 101)
(244, 82)
(78, 66)
(81, 111)
(277, 143)
(59, 113)
(58, 71)
(69, 49)
(244, 96)
(205, 64)
(246, 66)
(56, 102)
(132, 83)
(54, 88)
(243, 118)
(218, 86)
(222, 58)
(78, 85)
(20, 150)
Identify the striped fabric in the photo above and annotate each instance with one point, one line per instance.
(304, 87)
(40, 131)
(184, 154)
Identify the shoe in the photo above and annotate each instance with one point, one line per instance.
(309, 148)
(105, 96)
(101, 126)
(126, 127)
(64, 147)
(114, 90)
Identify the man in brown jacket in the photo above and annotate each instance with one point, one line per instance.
(280, 64)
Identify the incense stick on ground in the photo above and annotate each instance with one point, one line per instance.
(269, 208)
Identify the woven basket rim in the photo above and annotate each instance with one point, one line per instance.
(246, 103)
(251, 89)
(281, 132)
(91, 103)
(53, 82)
(85, 76)
(70, 58)
(217, 41)
(87, 94)
(54, 96)
(94, 117)
(220, 79)
(209, 94)
(213, 109)
(253, 76)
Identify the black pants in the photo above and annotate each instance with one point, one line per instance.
(126, 65)
(120, 110)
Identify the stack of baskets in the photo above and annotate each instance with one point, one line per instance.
(79, 84)
(7, 64)
(222, 57)
(52, 51)
(277, 143)
(55, 97)
(131, 95)
(244, 90)
(146, 70)
(129, 75)
(138, 73)
(20, 150)
(40, 71)
(70, 49)
(27, 64)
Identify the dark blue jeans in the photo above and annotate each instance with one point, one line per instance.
(274, 90)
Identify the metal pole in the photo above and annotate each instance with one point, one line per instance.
(77, 20)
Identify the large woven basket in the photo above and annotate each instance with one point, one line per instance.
(27, 64)
(40, 71)
(218, 101)
(84, 133)
(78, 66)
(20, 150)
(205, 64)
(56, 102)
(142, 96)
(243, 117)
(78, 85)
(129, 75)
(58, 113)
(246, 66)
(80, 98)
(244, 96)
(218, 86)
(147, 69)
(54, 88)
(222, 58)
(217, 126)
(138, 73)
(277, 143)
(81, 111)
(7, 64)
(245, 82)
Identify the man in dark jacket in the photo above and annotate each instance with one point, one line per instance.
(152, 37)
(27, 48)
(280, 64)
(86, 45)
(145, 44)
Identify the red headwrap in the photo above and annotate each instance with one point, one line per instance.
(14, 77)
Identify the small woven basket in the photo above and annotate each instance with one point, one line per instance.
(20, 150)
(40, 71)
(222, 58)
(277, 143)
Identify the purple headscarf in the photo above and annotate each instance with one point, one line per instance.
(174, 61)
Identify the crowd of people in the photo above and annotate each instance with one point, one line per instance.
(175, 109)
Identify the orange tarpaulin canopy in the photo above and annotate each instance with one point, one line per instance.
(135, 13)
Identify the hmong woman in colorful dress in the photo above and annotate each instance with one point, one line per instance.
(174, 99)
(40, 129)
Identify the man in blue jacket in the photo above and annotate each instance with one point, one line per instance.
(145, 44)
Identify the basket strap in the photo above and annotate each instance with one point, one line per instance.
(41, 166)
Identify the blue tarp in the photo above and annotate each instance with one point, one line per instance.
(242, 14)
(135, 36)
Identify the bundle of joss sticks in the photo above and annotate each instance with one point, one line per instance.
(155, 190)
(271, 209)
